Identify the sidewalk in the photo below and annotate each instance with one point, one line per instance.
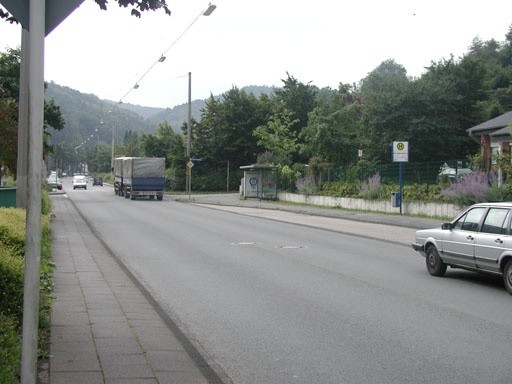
(105, 327)
(234, 200)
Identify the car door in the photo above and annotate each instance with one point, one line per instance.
(459, 242)
(493, 239)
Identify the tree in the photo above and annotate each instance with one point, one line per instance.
(165, 143)
(8, 134)
(226, 127)
(98, 158)
(300, 100)
(224, 137)
(138, 6)
(384, 119)
(10, 74)
(131, 143)
(9, 93)
(52, 118)
(496, 60)
(333, 130)
(276, 136)
(206, 136)
(447, 101)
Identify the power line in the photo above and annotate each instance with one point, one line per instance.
(162, 57)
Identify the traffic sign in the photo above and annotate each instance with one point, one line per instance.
(400, 151)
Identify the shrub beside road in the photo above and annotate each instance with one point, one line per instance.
(12, 250)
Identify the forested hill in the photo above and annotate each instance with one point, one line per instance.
(86, 113)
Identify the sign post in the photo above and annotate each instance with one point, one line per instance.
(400, 155)
(190, 164)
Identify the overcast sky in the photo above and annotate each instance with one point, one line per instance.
(255, 42)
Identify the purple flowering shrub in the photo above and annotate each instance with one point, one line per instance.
(306, 185)
(372, 189)
(470, 189)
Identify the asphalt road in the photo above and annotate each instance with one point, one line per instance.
(275, 301)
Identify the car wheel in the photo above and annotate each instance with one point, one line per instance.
(435, 266)
(507, 276)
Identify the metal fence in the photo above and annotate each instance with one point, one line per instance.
(421, 173)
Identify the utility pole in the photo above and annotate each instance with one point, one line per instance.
(33, 225)
(189, 136)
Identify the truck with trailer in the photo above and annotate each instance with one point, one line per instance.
(143, 177)
(118, 175)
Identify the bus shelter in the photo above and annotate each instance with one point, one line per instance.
(259, 181)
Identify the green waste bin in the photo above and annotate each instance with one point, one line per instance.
(8, 197)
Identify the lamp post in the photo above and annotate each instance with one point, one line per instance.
(113, 143)
(189, 137)
(189, 165)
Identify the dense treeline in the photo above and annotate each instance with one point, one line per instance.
(300, 124)
(339, 133)
(9, 101)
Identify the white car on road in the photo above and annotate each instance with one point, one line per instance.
(79, 181)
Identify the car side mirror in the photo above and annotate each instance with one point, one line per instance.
(448, 226)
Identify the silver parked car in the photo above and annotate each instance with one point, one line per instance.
(54, 181)
(479, 240)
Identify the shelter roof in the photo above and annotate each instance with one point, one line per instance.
(256, 167)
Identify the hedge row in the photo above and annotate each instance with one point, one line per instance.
(12, 250)
(10, 350)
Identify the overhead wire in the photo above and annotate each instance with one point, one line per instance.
(162, 57)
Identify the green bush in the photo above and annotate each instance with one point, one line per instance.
(45, 204)
(286, 178)
(421, 192)
(10, 350)
(306, 185)
(12, 228)
(12, 249)
(499, 193)
(340, 189)
(374, 189)
(11, 282)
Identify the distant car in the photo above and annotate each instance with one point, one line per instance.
(54, 181)
(479, 240)
(97, 181)
(79, 181)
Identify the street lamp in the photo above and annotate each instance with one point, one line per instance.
(209, 10)
(189, 165)
(113, 142)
